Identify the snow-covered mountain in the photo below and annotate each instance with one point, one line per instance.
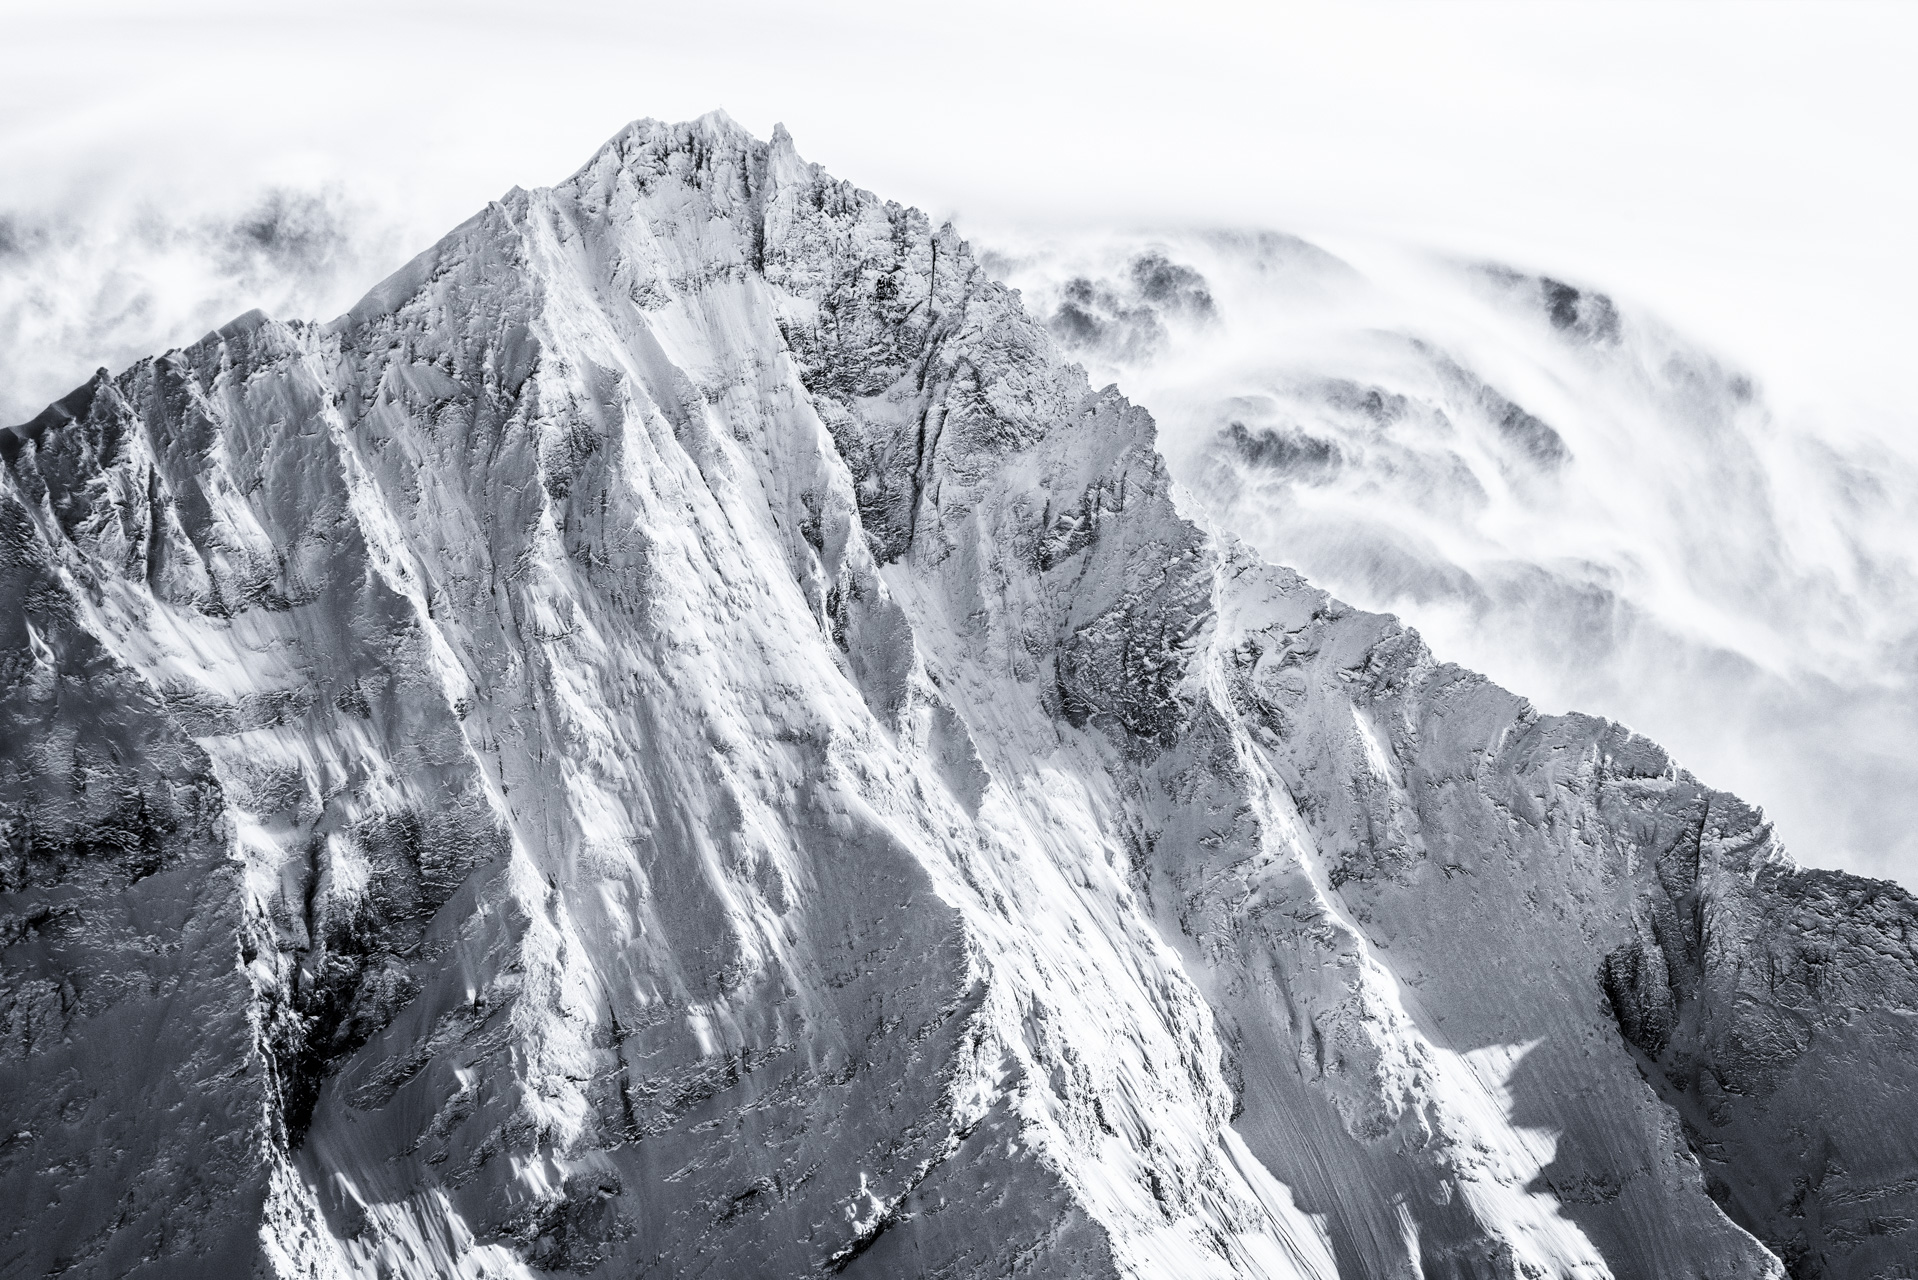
(682, 737)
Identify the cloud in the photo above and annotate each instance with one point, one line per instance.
(103, 282)
(1124, 317)
(1554, 488)
(294, 233)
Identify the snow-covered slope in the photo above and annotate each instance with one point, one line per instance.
(680, 737)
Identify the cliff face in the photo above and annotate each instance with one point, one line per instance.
(680, 738)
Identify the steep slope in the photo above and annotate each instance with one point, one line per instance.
(679, 738)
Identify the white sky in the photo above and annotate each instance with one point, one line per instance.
(1744, 168)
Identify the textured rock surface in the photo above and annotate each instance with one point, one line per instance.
(680, 738)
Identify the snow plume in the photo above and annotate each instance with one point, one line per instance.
(1554, 487)
(100, 281)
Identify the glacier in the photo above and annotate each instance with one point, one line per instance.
(683, 736)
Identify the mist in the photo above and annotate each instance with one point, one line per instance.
(103, 279)
(1553, 486)
(1658, 467)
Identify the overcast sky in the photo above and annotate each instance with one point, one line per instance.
(1745, 168)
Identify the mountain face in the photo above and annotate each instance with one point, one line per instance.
(680, 737)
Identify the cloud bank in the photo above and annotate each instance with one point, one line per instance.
(1553, 487)
(100, 281)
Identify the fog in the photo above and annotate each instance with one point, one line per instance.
(102, 284)
(1688, 506)
(1553, 487)
(1739, 166)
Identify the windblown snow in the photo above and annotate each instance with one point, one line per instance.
(1556, 488)
(680, 737)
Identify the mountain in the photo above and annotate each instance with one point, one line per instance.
(681, 737)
